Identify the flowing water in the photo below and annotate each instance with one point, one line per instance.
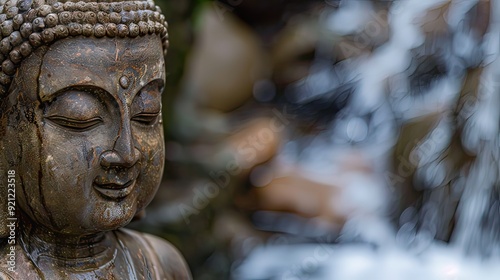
(412, 62)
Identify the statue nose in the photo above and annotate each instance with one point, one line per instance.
(113, 158)
(124, 152)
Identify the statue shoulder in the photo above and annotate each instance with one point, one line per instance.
(168, 257)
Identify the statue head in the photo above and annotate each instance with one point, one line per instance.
(80, 111)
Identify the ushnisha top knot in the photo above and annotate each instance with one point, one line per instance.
(28, 24)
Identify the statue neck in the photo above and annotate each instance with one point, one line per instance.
(46, 248)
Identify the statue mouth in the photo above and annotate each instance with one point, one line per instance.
(115, 191)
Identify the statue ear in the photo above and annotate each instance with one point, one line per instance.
(10, 150)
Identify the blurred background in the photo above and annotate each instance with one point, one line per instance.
(334, 139)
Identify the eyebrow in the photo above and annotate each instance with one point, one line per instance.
(92, 89)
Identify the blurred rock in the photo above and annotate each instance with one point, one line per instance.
(225, 63)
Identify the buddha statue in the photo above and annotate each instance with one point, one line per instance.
(81, 138)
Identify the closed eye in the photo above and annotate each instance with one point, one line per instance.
(146, 118)
(76, 124)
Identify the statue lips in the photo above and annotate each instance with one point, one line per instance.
(114, 189)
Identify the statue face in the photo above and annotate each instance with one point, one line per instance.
(92, 151)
